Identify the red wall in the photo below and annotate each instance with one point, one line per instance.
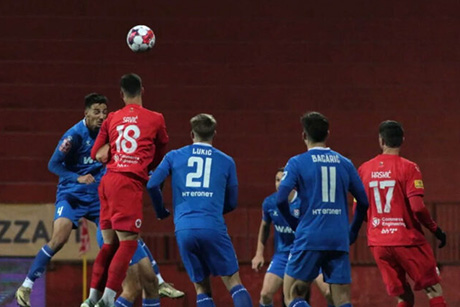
(257, 66)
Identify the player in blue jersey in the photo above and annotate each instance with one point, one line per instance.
(205, 187)
(77, 194)
(284, 238)
(322, 178)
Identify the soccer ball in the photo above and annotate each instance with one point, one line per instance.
(140, 38)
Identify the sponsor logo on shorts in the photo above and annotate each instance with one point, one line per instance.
(138, 223)
(375, 221)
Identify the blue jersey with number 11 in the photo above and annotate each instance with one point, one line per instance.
(200, 177)
(323, 179)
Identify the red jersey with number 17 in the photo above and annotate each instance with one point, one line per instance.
(389, 181)
(133, 133)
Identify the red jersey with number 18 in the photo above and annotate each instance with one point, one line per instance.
(390, 181)
(133, 133)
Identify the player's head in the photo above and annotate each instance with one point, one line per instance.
(391, 134)
(131, 86)
(203, 127)
(315, 127)
(95, 110)
(278, 177)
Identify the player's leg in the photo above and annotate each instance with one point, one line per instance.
(124, 196)
(149, 281)
(65, 220)
(165, 289)
(301, 269)
(204, 293)
(220, 257)
(270, 286)
(273, 278)
(191, 253)
(420, 265)
(294, 291)
(393, 275)
(132, 286)
(336, 269)
(325, 289)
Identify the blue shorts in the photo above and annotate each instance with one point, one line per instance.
(205, 252)
(74, 209)
(139, 254)
(278, 264)
(306, 265)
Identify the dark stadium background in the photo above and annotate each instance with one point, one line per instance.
(257, 66)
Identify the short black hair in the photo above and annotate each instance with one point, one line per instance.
(392, 133)
(315, 125)
(94, 98)
(204, 126)
(280, 170)
(131, 85)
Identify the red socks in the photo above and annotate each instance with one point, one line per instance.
(404, 304)
(438, 302)
(100, 266)
(120, 264)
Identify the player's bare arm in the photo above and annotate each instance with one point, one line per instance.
(264, 232)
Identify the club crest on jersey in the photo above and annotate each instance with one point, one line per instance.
(296, 213)
(138, 223)
(375, 221)
(66, 145)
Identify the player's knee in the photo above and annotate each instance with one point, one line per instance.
(131, 291)
(266, 297)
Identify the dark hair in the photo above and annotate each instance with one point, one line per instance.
(315, 125)
(392, 133)
(204, 126)
(131, 85)
(93, 98)
(280, 169)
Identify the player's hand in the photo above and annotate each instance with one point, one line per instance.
(86, 179)
(257, 262)
(103, 154)
(163, 214)
(441, 236)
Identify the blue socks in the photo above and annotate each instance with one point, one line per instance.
(299, 302)
(346, 305)
(151, 302)
(122, 302)
(204, 300)
(240, 296)
(262, 305)
(41, 260)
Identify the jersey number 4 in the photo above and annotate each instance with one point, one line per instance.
(201, 175)
(127, 136)
(382, 185)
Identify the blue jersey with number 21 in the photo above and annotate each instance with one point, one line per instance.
(200, 175)
(323, 179)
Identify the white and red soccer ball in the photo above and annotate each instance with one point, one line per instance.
(140, 38)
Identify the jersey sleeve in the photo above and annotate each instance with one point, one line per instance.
(414, 183)
(161, 172)
(265, 214)
(68, 143)
(290, 175)
(232, 177)
(162, 134)
(102, 137)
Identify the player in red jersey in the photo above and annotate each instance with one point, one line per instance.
(396, 212)
(137, 139)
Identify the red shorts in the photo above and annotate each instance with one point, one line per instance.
(395, 261)
(121, 202)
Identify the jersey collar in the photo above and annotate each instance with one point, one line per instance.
(202, 144)
(319, 148)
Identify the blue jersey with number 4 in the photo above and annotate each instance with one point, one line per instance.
(323, 179)
(200, 175)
